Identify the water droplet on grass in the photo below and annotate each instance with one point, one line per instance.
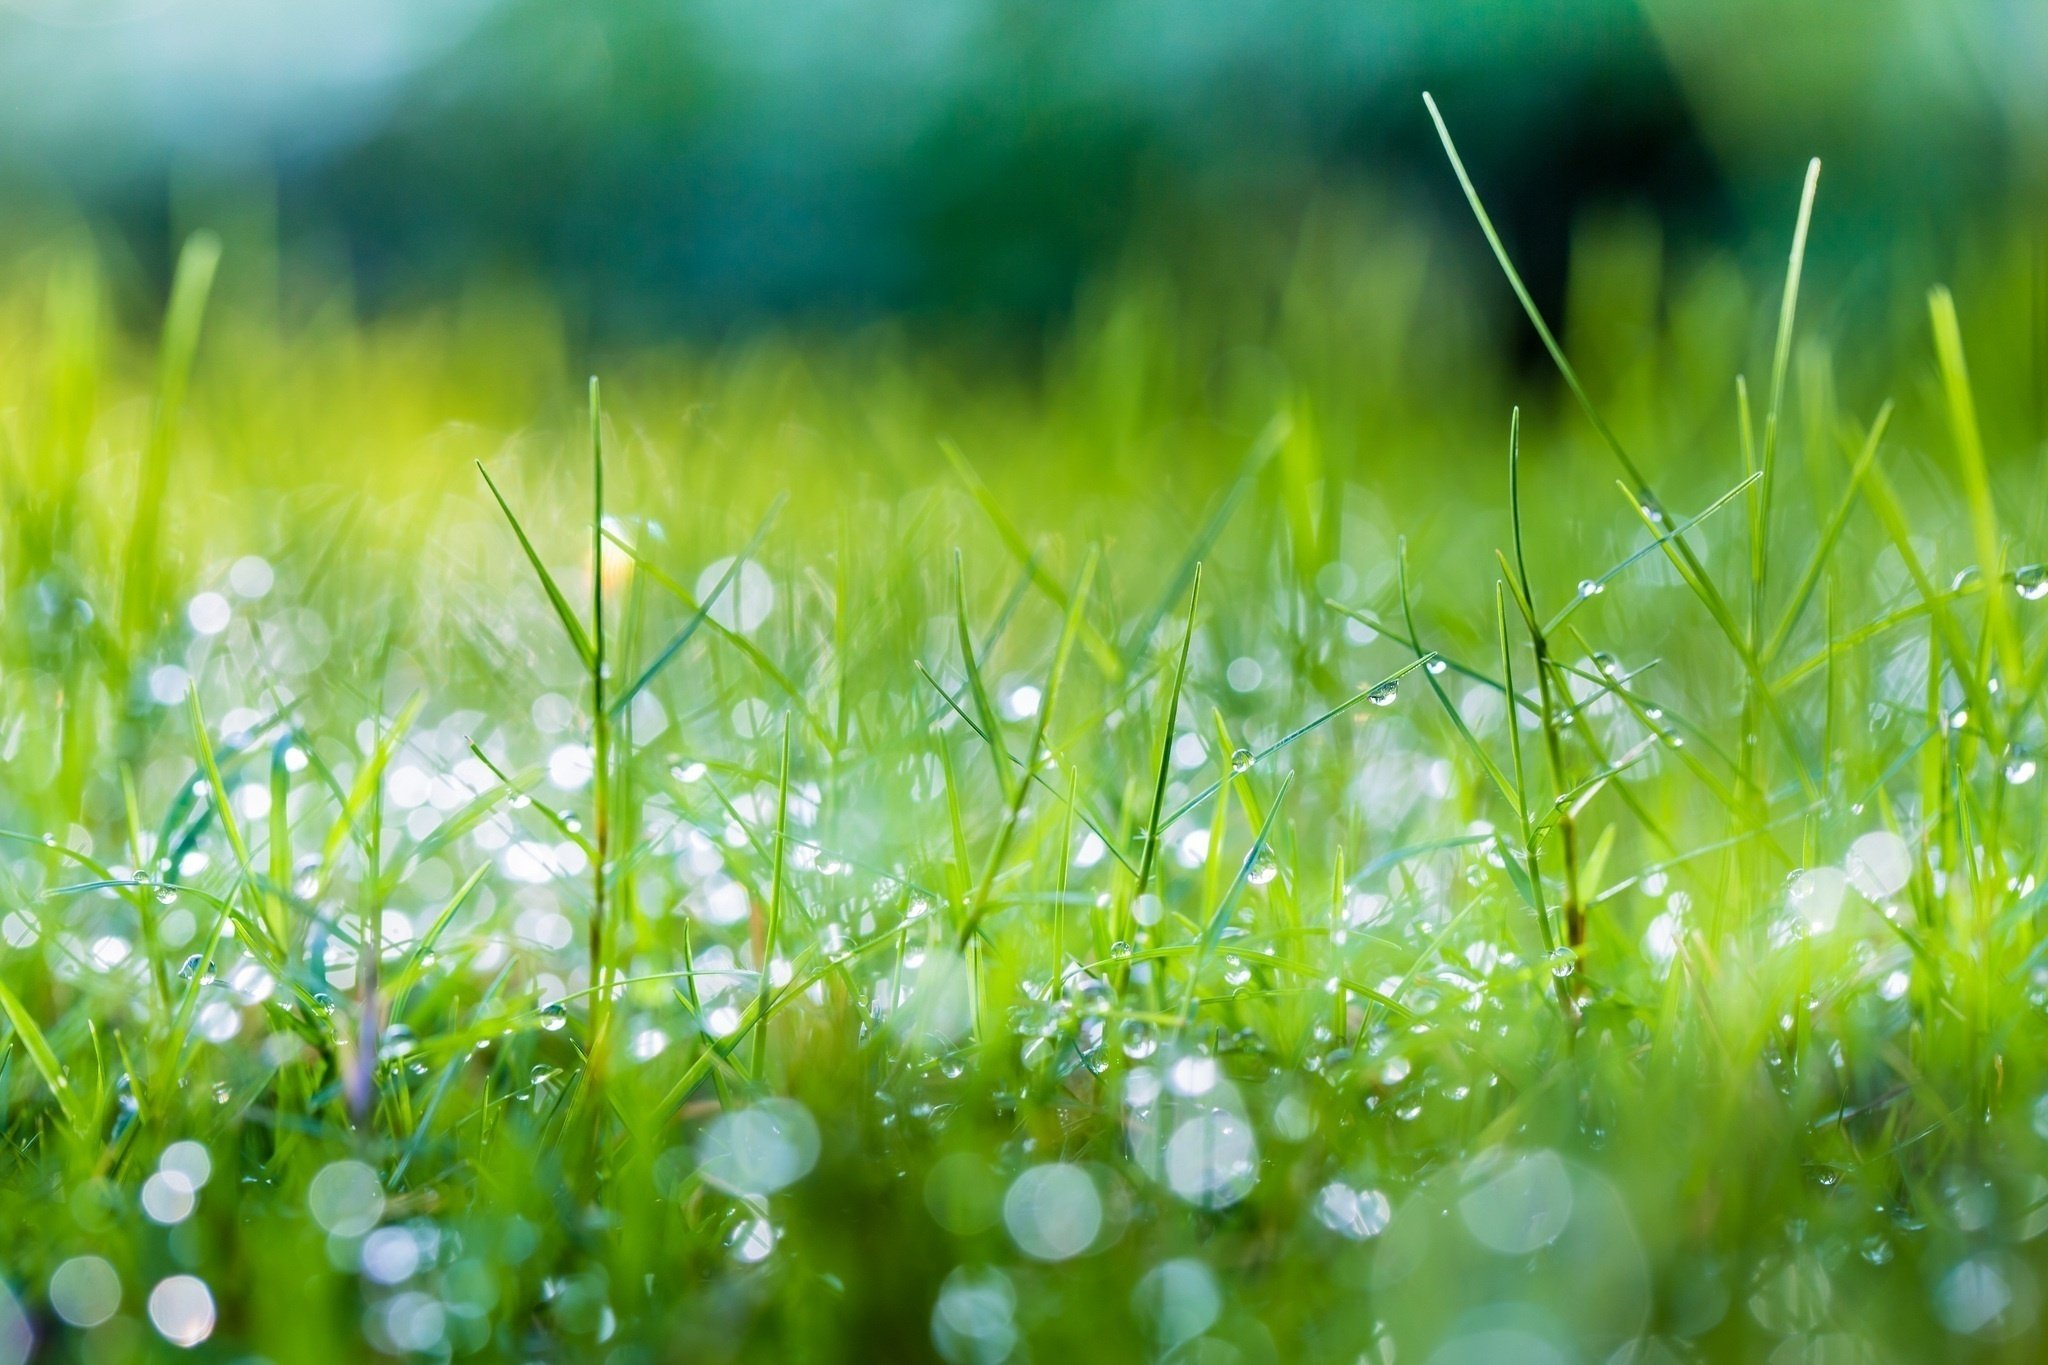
(1241, 760)
(1386, 694)
(1357, 1214)
(2031, 581)
(1138, 1039)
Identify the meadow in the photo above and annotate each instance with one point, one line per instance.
(1323, 820)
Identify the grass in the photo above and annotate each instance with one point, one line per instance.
(1238, 840)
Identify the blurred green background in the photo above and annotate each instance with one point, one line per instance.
(687, 167)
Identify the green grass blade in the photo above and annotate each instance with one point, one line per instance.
(42, 1056)
(1976, 477)
(1149, 855)
(990, 728)
(579, 639)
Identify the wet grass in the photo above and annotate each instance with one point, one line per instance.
(1269, 833)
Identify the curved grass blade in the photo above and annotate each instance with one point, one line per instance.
(573, 628)
(42, 1056)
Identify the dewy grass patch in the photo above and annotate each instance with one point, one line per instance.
(850, 850)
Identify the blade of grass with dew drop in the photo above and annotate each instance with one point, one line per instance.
(567, 828)
(1212, 932)
(1304, 730)
(1657, 541)
(697, 618)
(1457, 719)
(1450, 662)
(1611, 687)
(180, 1035)
(1976, 476)
(1638, 489)
(1149, 855)
(1576, 798)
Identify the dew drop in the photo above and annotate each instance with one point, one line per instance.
(1385, 694)
(1138, 1039)
(1591, 587)
(2031, 581)
(1562, 961)
(1241, 760)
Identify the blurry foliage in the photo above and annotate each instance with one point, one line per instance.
(666, 166)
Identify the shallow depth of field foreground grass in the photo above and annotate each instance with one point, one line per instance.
(1232, 847)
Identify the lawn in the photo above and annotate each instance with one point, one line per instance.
(1330, 822)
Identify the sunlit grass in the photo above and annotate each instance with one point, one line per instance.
(1257, 837)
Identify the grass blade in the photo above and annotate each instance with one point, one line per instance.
(579, 639)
